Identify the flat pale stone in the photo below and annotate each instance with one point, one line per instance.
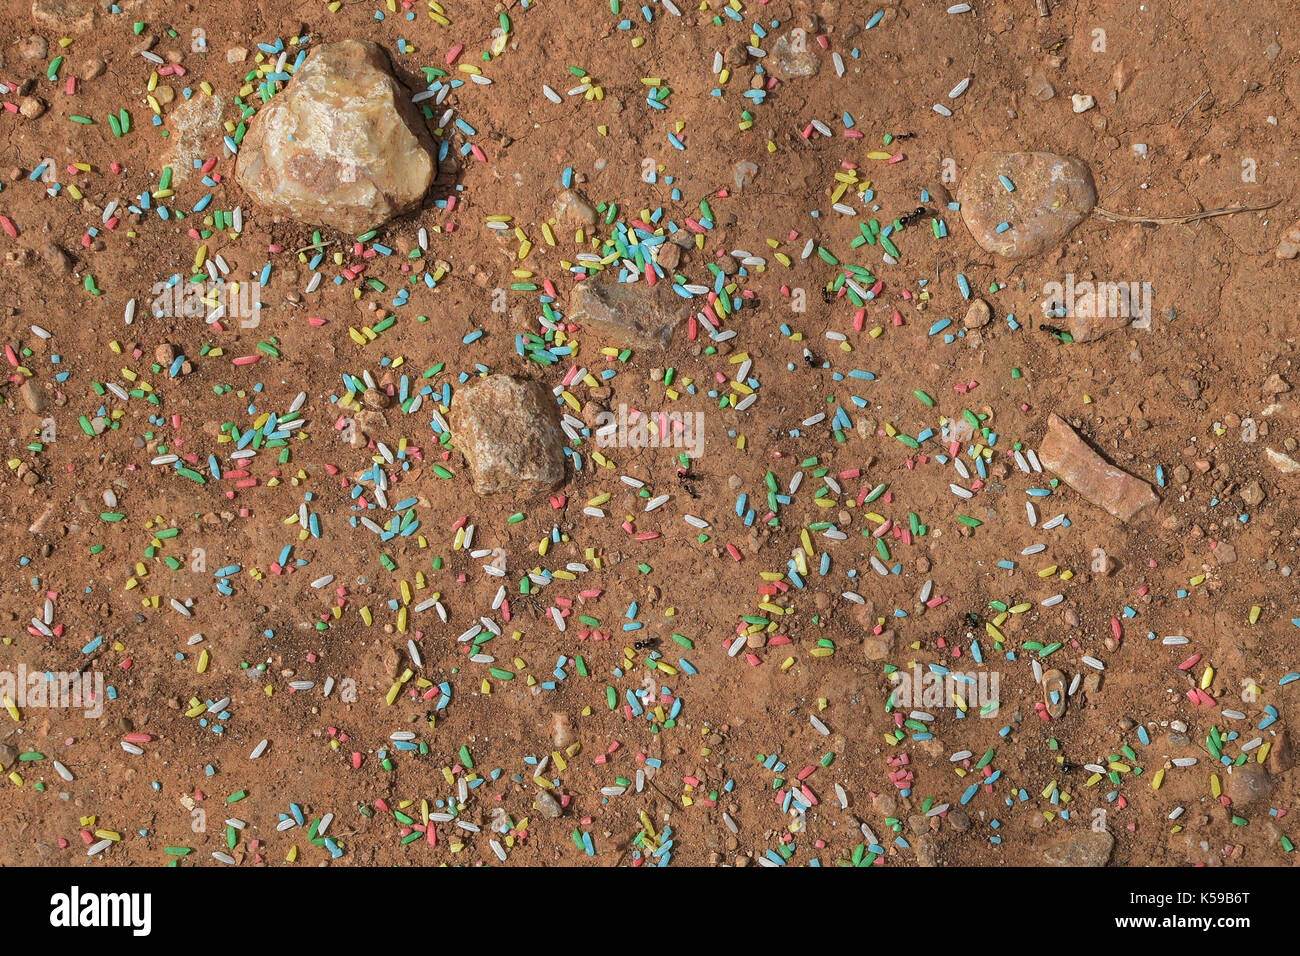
(1093, 477)
(508, 430)
(631, 313)
(1052, 195)
(71, 16)
(341, 145)
(1087, 848)
(196, 133)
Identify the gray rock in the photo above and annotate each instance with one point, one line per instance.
(630, 313)
(1087, 848)
(789, 58)
(341, 145)
(508, 430)
(1052, 195)
(547, 805)
(1247, 785)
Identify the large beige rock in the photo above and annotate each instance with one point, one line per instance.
(508, 429)
(341, 145)
(1092, 476)
(1051, 195)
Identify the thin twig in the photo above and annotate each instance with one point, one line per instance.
(1189, 109)
(1177, 220)
(316, 245)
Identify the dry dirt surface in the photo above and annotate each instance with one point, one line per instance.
(832, 609)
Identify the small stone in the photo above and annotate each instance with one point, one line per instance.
(33, 48)
(1054, 695)
(56, 258)
(958, 820)
(561, 729)
(8, 755)
(1252, 494)
(631, 313)
(377, 398)
(1283, 463)
(1276, 385)
(792, 56)
(164, 353)
(33, 397)
(547, 805)
(1082, 102)
(508, 430)
(236, 54)
(1096, 479)
(31, 106)
(1040, 88)
(1088, 848)
(1289, 246)
(668, 255)
(743, 173)
(66, 16)
(1225, 553)
(978, 315)
(573, 209)
(1052, 195)
(93, 68)
(1247, 785)
(879, 647)
(1281, 756)
(341, 145)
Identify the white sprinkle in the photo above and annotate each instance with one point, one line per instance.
(959, 89)
(942, 110)
(818, 725)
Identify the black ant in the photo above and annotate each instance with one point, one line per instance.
(810, 360)
(685, 477)
(649, 642)
(901, 136)
(917, 213)
(827, 295)
(1051, 329)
